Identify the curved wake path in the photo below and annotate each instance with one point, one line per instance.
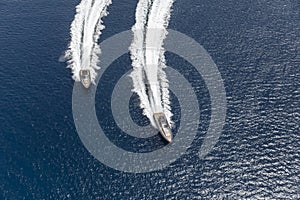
(147, 53)
(83, 51)
(138, 57)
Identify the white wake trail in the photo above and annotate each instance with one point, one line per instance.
(151, 60)
(84, 50)
(73, 54)
(138, 57)
(155, 61)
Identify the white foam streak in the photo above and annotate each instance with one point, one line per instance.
(137, 56)
(148, 58)
(83, 50)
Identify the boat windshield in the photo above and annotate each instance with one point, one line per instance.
(85, 72)
(162, 120)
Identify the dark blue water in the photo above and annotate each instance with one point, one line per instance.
(256, 46)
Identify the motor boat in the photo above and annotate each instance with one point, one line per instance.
(163, 126)
(85, 77)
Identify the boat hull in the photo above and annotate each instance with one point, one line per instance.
(163, 126)
(85, 78)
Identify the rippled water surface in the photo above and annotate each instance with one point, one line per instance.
(256, 46)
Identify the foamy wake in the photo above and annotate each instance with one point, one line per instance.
(147, 54)
(84, 50)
